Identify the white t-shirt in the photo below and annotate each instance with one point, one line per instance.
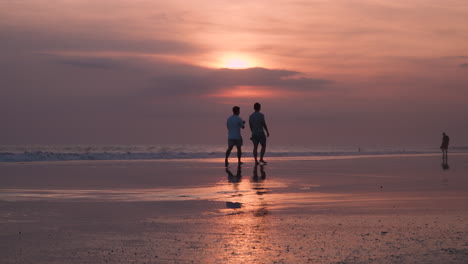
(234, 125)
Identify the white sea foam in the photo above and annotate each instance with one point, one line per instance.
(148, 152)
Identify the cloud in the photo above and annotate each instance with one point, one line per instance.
(464, 65)
(92, 63)
(36, 40)
(212, 80)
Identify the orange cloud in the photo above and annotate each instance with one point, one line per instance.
(257, 92)
(244, 92)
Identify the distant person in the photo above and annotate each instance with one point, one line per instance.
(445, 144)
(258, 127)
(234, 124)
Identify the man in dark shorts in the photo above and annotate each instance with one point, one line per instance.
(234, 124)
(258, 127)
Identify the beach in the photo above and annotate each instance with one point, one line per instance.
(336, 209)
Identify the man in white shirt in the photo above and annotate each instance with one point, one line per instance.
(258, 127)
(234, 124)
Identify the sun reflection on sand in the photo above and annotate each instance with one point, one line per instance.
(247, 219)
(228, 191)
(248, 194)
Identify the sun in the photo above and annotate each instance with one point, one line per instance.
(234, 61)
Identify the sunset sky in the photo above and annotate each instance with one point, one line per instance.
(327, 72)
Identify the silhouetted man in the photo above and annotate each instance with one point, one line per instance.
(258, 127)
(445, 144)
(234, 124)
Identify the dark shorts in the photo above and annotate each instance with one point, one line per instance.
(259, 139)
(234, 142)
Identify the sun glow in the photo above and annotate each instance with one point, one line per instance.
(234, 61)
(236, 64)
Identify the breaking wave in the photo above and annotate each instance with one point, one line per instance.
(71, 153)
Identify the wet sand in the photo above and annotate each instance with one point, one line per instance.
(384, 209)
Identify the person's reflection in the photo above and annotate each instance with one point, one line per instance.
(255, 173)
(235, 180)
(445, 165)
(258, 186)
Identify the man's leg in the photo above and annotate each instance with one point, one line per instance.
(239, 154)
(255, 152)
(262, 153)
(228, 152)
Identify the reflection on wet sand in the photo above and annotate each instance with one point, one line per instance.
(226, 191)
(253, 204)
(246, 218)
(259, 187)
(235, 180)
(445, 165)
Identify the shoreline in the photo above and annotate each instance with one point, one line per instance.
(233, 157)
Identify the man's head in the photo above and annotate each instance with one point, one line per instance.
(236, 110)
(257, 107)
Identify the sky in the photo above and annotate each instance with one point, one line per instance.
(327, 72)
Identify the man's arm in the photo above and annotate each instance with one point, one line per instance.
(266, 128)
